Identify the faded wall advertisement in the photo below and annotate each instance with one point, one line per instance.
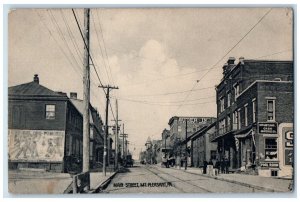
(36, 145)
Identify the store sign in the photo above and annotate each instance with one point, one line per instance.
(269, 164)
(36, 145)
(267, 128)
(288, 154)
(289, 139)
(194, 120)
(288, 144)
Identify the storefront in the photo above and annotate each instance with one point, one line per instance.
(275, 154)
(245, 145)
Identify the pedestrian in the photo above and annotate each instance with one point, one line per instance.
(210, 167)
(226, 165)
(204, 166)
(222, 166)
(217, 167)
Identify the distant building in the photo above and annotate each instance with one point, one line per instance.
(45, 129)
(201, 147)
(165, 138)
(255, 115)
(96, 132)
(178, 131)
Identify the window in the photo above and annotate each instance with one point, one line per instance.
(228, 120)
(179, 128)
(228, 99)
(50, 111)
(236, 91)
(271, 110)
(222, 104)
(246, 115)
(271, 148)
(254, 110)
(239, 119)
(274, 173)
(235, 120)
(222, 126)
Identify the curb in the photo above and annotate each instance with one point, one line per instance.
(104, 184)
(235, 182)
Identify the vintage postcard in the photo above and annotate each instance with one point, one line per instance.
(150, 100)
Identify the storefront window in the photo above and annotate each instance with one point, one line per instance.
(271, 149)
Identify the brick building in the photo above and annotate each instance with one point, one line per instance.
(165, 137)
(178, 133)
(44, 129)
(254, 129)
(201, 147)
(96, 132)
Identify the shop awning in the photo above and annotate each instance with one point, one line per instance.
(244, 135)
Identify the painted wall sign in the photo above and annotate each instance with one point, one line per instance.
(36, 145)
(267, 128)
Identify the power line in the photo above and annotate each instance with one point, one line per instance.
(158, 104)
(79, 53)
(112, 112)
(166, 102)
(53, 19)
(101, 31)
(104, 64)
(93, 64)
(60, 47)
(276, 53)
(171, 93)
(214, 66)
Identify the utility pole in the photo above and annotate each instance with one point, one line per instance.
(186, 157)
(127, 150)
(108, 88)
(123, 141)
(117, 136)
(86, 93)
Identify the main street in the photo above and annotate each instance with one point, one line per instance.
(155, 179)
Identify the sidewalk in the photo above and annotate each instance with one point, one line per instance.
(264, 183)
(41, 182)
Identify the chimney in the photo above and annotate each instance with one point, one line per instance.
(241, 59)
(230, 60)
(36, 78)
(73, 95)
(225, 68)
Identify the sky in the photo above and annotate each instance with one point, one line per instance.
(155, 57)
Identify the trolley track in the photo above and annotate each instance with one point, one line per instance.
(180, 180)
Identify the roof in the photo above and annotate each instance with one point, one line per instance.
(79, 106)
(33, 89)
(202, 130)
(148, 140)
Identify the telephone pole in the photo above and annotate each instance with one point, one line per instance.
(117, 136)
(86, 93)
(108, 88)
(186, 155)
